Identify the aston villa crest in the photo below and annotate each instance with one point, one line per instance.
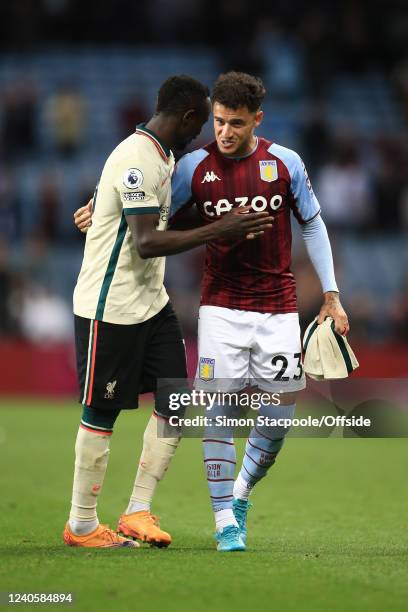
(206, 368)
(268, 170)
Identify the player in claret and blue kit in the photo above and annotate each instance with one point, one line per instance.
(248, 321)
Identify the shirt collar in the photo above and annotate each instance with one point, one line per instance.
(162, 148)
(247, 155)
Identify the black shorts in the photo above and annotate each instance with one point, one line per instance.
(117, 362)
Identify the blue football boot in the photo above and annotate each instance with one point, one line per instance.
(240, 508)
(229, 539)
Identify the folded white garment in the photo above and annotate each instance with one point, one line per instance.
(328, 355)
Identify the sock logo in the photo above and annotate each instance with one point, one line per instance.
(266, 458)
(213, 470)
(110, 390)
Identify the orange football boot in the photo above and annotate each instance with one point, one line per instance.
(101, 537)
(143, 526)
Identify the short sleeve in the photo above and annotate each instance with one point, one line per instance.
(304, 204)
(181, 188)
(136, 183)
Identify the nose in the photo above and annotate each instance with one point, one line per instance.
(226, 130)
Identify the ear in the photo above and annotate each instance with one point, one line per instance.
(258, 118)
(188, 115)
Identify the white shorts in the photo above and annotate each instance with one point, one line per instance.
(240, 347)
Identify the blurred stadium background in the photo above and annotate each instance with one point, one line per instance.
(76, 77)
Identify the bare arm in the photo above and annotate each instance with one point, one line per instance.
(150, 242)
(188, 219)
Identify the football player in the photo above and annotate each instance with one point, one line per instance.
(127, 335)
(248, 328)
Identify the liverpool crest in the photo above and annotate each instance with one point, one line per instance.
(110, 390)
(268, 170)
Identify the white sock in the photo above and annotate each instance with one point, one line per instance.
(82, 527)
(91, 460)
(223, 518)
(156, 456)
(137, 507)
(242, 490)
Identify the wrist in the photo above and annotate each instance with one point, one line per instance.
(330, 297)
(214, 230)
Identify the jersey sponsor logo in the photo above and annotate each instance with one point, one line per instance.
(206, 368)
(210, 177)
(164, 212)
(268, 170)
(134, 196)
(257, 203)
(110, 390)
(133, 178)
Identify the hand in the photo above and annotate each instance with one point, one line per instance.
(83, 217)
(253, 235)
(332, 308)
(243, 222)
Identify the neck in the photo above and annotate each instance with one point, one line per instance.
(250, 146)
(163, 128)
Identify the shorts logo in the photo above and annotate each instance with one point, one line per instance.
(206, 368)
(110, 390)
(134, 196)
(133, 178)
(268, 170)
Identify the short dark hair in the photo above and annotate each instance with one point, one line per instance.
(180, 93)
(236, 89)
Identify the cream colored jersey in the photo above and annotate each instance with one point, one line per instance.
(115, 285)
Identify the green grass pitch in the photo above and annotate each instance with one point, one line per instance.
(328, 530)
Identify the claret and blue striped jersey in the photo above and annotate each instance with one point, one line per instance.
(247, 274)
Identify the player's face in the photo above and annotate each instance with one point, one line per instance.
(234, 129)
(192, 124)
